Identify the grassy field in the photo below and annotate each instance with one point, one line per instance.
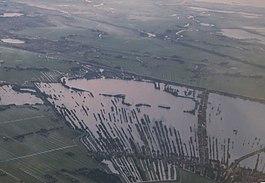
(187, 177)
(21, 66)
(37, 157)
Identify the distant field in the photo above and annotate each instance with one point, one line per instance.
(254, 3)
(114, 34)
(22, 67)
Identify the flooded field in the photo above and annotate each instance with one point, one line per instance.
(253, 3)
(243, 14)
(9, 96)
(243, 35)
(11, 15)
(178, 124)
(13, 41)
(237, 126)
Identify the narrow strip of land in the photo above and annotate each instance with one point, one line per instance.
(159, 181)
(23, 119)
(39, 153)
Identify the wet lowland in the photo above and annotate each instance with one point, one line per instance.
(147, 129)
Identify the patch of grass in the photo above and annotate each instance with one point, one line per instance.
(22, 67)
(187, 177)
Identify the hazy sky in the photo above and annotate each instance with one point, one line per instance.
(254, 3)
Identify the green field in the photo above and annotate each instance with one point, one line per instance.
(38, 156)
(187, 177)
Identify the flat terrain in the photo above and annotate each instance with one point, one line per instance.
(180, 41)
(189, 177)
(37, 146)
(210, 44)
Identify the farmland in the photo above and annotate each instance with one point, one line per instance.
(145, 43)
(36, 146)
(68, 69)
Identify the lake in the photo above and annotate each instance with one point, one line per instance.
(8, 96)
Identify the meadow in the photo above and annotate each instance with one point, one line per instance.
(37, 146)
